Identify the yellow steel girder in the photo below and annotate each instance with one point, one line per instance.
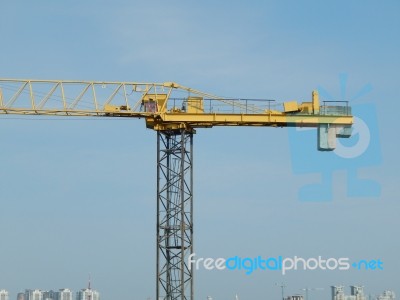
(165, 106)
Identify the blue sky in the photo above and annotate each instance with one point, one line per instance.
(78, 196)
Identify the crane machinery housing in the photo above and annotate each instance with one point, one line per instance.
(174, 112)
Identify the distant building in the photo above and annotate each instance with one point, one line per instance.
(357, 293)
(87, 294)
(21, 296)
(33, 295)
(387, 295)
(64, 294)
(338, 292)
(49, 295)
(3, 295)
(295, 297)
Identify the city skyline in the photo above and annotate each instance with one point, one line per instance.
(338, 292)
(61, 294)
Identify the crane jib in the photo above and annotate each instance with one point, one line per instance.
(170, 106)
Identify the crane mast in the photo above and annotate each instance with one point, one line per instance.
(174, 112)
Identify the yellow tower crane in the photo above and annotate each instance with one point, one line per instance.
(174, 111)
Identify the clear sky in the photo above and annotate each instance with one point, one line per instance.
(78, 196)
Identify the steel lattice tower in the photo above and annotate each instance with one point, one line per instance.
(174, 214)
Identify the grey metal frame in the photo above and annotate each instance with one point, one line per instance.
(174, 214)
